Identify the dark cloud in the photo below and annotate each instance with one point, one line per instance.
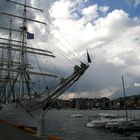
(11, 8)
(131, 90)
(4, 7)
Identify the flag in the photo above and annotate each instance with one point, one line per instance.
(30, 35)
(88, 58)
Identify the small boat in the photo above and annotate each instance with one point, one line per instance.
(104, 118)
(127, 126)
(76, 115)
(114, 123)
(97, 123)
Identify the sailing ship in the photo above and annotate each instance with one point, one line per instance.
(19, 102)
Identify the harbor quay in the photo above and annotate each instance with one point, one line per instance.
(10, 131)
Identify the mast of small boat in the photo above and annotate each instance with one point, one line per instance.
(125, 104)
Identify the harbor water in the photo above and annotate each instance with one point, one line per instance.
(60, 123)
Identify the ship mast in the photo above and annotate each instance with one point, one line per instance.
(6, 80)
(22, 70)
(23, 66)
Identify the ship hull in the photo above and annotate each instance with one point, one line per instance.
(14, 113)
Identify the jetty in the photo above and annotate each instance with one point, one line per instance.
(18, 132)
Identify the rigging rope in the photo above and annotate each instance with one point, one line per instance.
(48, 23)
(40, 70)
(62, 45)
(56, 69)
(69, 44)
(60, 51)
(75, 85)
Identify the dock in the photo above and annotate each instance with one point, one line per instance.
(10, 132)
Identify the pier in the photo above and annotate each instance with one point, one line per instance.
(9, 131)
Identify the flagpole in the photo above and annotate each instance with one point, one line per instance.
(88, 57)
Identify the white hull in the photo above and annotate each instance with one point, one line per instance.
(97, 123)
(104, 118)
(107, 123)
(115, 123)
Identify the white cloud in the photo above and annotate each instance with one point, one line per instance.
(89, 14)
(137, 2)
(69, 96)
(117, 61)
(133, 2)
(107, 92)
(114, 38)
(60, 9)
(91, 10)
(104, 9)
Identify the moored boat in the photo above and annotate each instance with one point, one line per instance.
(127, 127)
(103, 119)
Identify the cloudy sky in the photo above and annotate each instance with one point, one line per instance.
(108, 29)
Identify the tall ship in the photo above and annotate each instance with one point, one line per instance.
(19, 100)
